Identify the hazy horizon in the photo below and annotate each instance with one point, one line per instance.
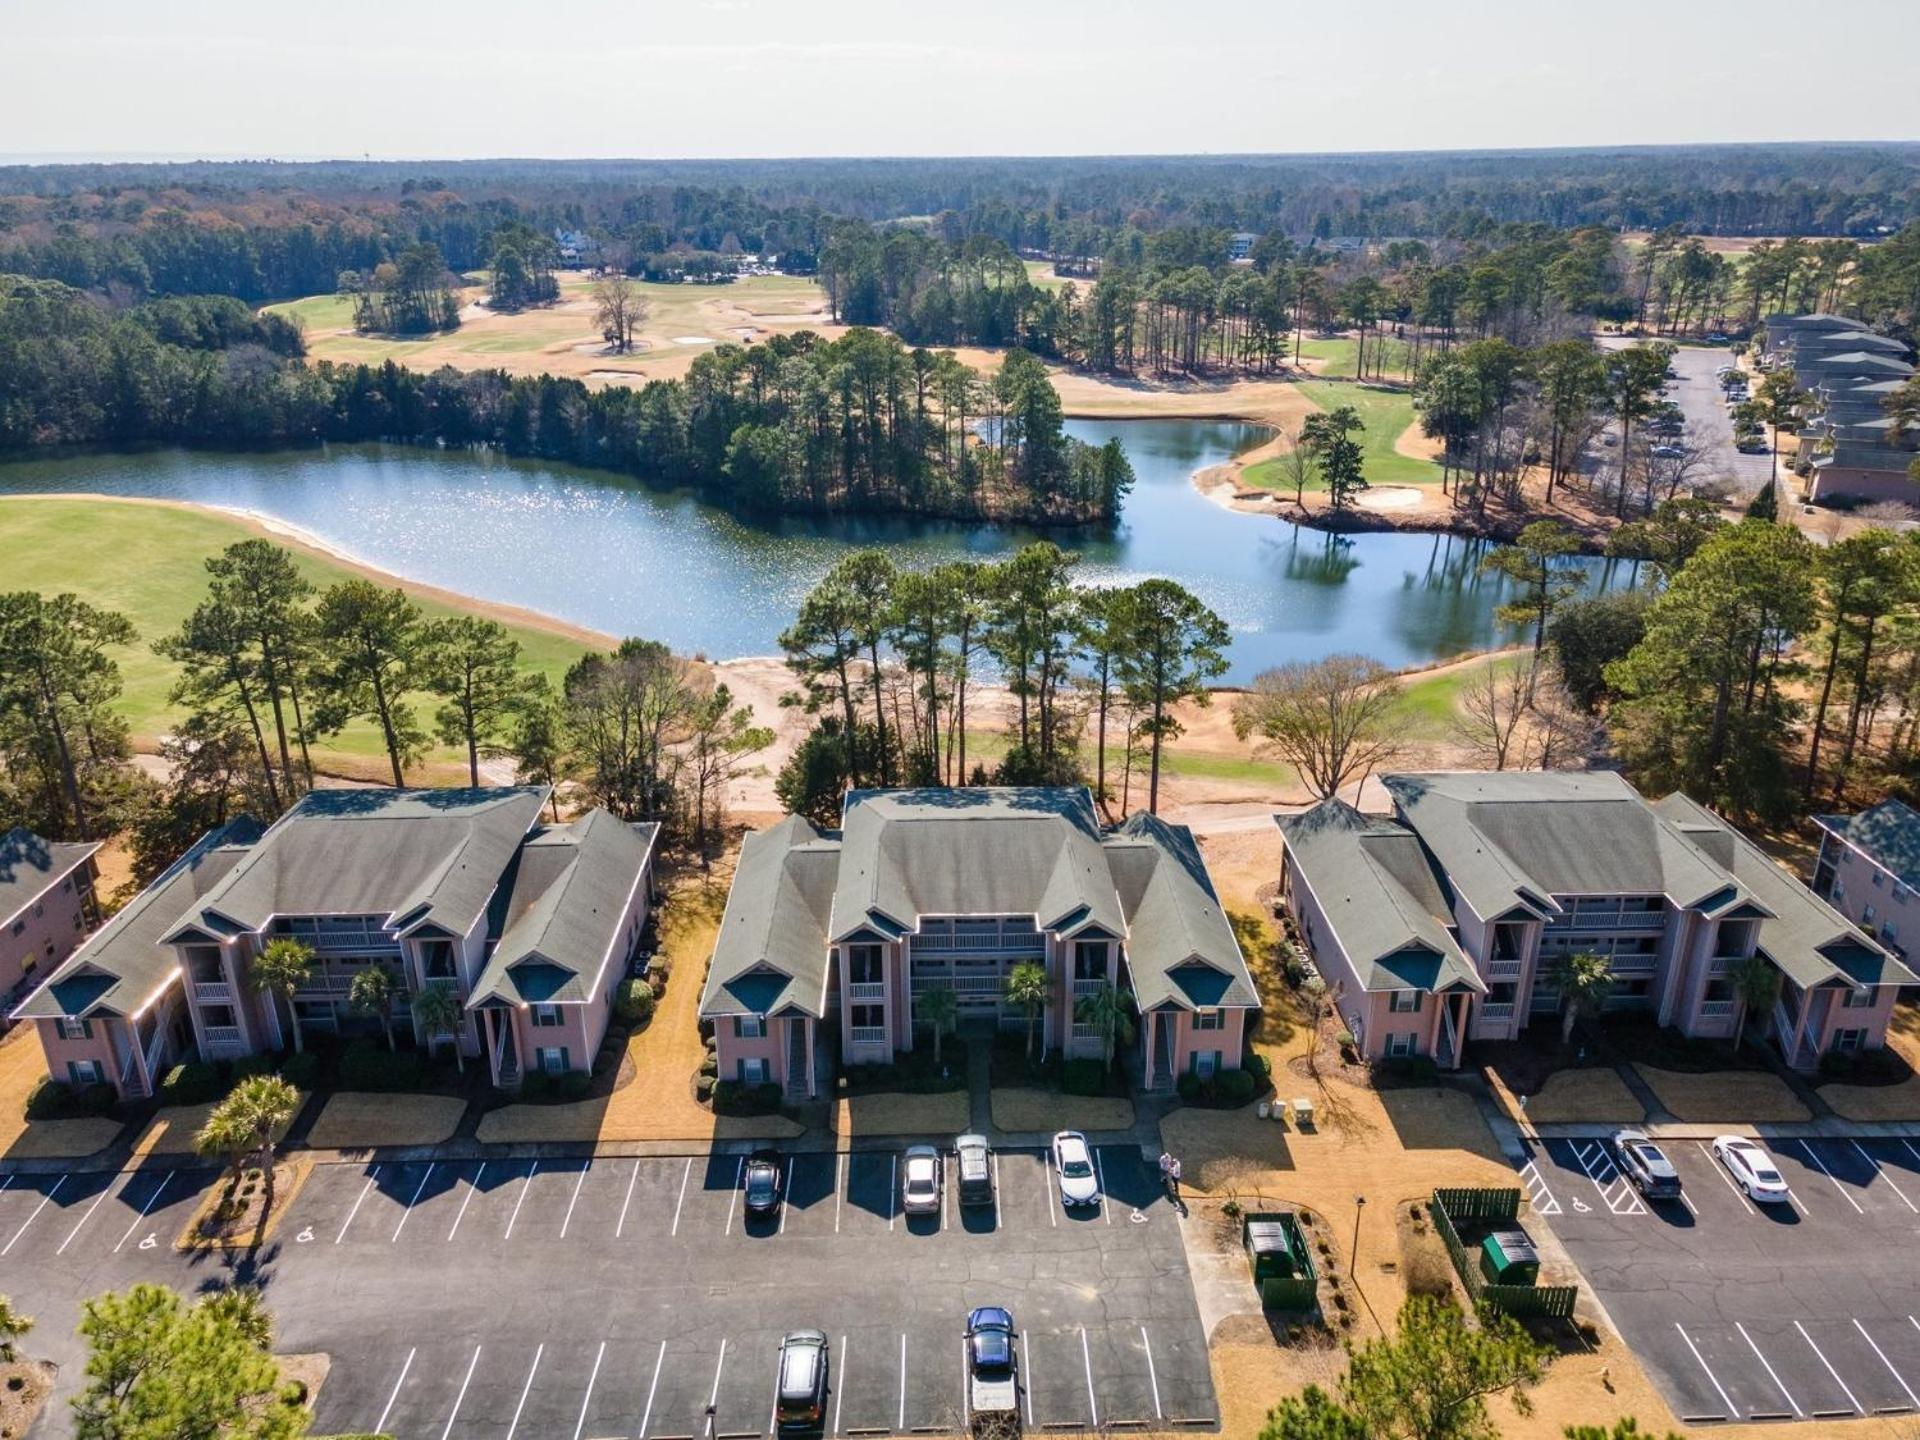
(752, 79)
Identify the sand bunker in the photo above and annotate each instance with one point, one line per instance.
(1391, 497)
(693, 340)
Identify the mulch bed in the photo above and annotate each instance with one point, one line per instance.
(24, 1388)
(234, 1215)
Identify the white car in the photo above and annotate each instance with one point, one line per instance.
(920, 1181)
(1079, 1183)
(1751, 1169)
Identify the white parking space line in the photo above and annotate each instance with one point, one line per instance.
(526, 1389)
(901, 1422)
(1778, 1384)
(1539, 1194)
(1053, 1194)
(380, 1425)
(525, 1185)
(966, 1399)
(372, 1175)
(1106, 1210)
(840, 1388)
(658, 1361)
(1814, 1155)
(83, 1219)
(454, 1413)
(733, 1196)
(685, 1176)
(1615, 1190)
(620, 1229)
(713, 1397)
(1153, 1378)
(1726, 1179)
(1881, 1171)
(44, 1200)
(1898, 1378)
(893, 1199)
(786, 1202)
(1086, 1358)
(418, 1190)
(132, 1225)
(839, 1186)
(587, 1399)
(568, 1219)
(1725, 1399)
(471, 1188)
(1830, 1370)
(1026, 1367)
(996, 1192)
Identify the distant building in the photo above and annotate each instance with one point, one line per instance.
(47, 905)
(1869, 870)
(576, 247)
(1848, 440)
(1443, 923)
(1240, 245)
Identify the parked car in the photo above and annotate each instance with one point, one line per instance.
(763, 1183)
(1079, 1184)
(920, 1181)
(1646, 1165)
(1751, 444)
(973, 1167)
(801, 1404)
(1667, 452)
(1751, 1168)
(993, 1372)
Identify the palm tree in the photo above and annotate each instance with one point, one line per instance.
(1756, 985)
(438, 1010)
(373, 992)
(245, 1126)
(1584, 983)
(283, 967)
(939, 1008)
(1027, 988)
(12, 1326)
(1108, 1009)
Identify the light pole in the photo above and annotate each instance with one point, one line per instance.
(1353, 1262)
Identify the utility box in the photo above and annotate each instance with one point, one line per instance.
(1507, 1257)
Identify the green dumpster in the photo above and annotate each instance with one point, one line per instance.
(1281, 1260)
(1507, 1257)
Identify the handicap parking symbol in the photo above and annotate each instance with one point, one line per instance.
(305, 1235)
(152, 1242)
(1580, 1207)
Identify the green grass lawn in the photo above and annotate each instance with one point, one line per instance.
(1342, 354)
(316, 312)
(147, 562)
(1430, 702)
(1385, 413)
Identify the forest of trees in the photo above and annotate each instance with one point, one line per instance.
(796, 424)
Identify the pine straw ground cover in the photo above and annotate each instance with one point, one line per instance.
(234, 1215)
(360, 1120)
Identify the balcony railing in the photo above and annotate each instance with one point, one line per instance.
(1504, 969)
(868, 1034)
(213, 992)
(1578, 923)
(859, 990)
(1495, 1010)
(1027, 942)
(1634, 964)
(959, 984)
(221, 1041)
(1087, 987)
(1714, 1009)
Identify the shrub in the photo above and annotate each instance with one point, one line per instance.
(703, 1084)
(368, 1066)
(193, 1083)
(1429, 1272)
(301, 1071)
(634, 1002)
(535, 1085)
(1083, 1077)
(574, 1085)
(1224, 1090)
(1258, 1066)
(735, 1097)
(248, 1066)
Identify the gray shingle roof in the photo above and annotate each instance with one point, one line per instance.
(1807, 938)
(1521, 837)
(1888, 834)
(408, 856)
(30, 866)
(903, 854)
(556, 915)
(1377, 889)
(123, 963)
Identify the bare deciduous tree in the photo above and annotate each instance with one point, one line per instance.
(1492, 720)
(618, 310)
(1562, 735)
(1333, 719)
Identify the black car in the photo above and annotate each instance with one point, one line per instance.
(801, 1403)
(762, 1183)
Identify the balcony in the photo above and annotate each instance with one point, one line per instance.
(959, 984)
(1715, 1009)
(1504, 969)
(1633, 964)
(220, 1042)
(859, 991)
(212, 992)
(1581, 922)
(1087, 987)
(867, 1034)
(1494, 1010)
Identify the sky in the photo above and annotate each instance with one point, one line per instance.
(402, 79)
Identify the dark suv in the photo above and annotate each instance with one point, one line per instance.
(762, 1183)
(800, 1405)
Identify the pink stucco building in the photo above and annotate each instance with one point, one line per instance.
(47, 905)
(837, 934)
(1443, 923)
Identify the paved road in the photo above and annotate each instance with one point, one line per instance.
(634, 1298)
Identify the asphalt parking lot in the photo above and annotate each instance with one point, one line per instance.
(635, 1298)
(1740, 1312)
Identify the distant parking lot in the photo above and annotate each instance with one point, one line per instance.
(1741, 1312)
(635, 1298)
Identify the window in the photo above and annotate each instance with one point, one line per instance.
(1209, 1020)
(753, 1071)
(863, 965)
(1404, 1002)
(436, 959)
(553, 1059)
(546, 1015)
(749, 1027)
(869, 1017)
(1089, 960)
(83, 1073)
(1889, 930)
(1839, 891)
(217, 1017)
(1846, 1042)
(1205, 1063)
(75, 1029)
(1402, 1044)
(1866, 916)
(1879, 880)
(1858, 999)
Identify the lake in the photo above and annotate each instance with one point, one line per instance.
(610, 554)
